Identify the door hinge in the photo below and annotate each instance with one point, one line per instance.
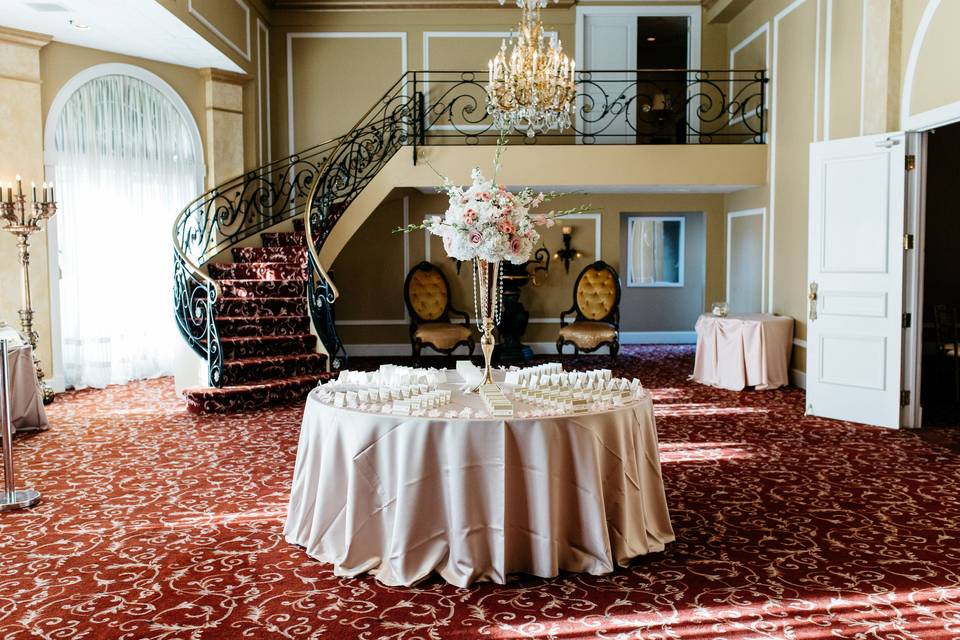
(911, 162)
(907, 319)
(904, 398)
(907, 241)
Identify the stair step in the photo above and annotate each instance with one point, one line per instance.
(296, 255)
(257, 271)
(247, 370)
(262, 306)
(263, 288)
(235, 347)
(262, 325)
(284, 239)
(253, 396)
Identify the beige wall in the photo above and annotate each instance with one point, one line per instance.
(933, 78)
(371, 284)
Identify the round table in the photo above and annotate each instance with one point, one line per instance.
(403, 497)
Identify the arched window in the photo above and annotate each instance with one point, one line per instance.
(126, 158)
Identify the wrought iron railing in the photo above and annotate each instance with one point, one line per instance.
(644, 106)
(433, 108)
(218, 220)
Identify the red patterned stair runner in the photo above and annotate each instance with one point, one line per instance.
(269, 354)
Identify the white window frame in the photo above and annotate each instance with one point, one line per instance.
(631, 220)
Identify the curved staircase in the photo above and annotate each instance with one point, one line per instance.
(269, 355)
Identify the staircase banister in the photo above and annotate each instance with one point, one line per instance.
(311, 244)
(193, 268)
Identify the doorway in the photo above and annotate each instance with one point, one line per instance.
(662, 57)
(940, 366)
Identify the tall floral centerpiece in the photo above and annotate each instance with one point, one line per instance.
(487, 224)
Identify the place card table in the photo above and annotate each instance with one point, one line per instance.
(477, 498)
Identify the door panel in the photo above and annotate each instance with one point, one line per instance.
(854, 330)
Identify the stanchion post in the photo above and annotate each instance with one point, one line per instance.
(11, 498)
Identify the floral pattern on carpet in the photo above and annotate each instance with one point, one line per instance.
(156, 523)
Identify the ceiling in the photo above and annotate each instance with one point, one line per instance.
(141, 28)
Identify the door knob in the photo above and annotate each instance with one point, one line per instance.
(812, 297)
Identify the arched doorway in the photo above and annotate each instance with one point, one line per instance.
(126, 156)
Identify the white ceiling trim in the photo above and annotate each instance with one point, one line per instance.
(138, 28)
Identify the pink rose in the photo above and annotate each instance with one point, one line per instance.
(475, 238)
(485, 196)
(505, 226)
(516, 244)
(470, 216)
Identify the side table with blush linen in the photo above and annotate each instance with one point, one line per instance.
(743, 350)
(26, 401)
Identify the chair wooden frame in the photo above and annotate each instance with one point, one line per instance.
(612, 318)
(416, 320)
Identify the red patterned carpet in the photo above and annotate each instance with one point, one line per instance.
(157, 523)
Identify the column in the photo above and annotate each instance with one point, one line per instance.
(224, 135)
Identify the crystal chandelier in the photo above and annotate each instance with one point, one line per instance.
(532, 88)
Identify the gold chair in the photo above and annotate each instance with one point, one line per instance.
(426, 293)
(596, 302)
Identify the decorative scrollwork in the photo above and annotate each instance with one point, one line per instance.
(391, 125)
(612, 107)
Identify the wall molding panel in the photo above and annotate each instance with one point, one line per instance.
(731, 215)
(400, 35)
(774, 99)
(242, 50)
(263, 82)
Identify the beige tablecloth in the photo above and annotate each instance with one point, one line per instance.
(748, 350)
(26, 403)
(404, 497)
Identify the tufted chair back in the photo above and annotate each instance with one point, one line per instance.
(427, 293)
(597, 293)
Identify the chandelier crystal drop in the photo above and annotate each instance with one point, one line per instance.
(531, 88)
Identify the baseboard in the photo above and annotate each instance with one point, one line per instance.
(57, 383)
(658, 337)
(394, 349)
(798, 378)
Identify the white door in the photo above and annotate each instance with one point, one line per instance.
(855, 279)
(608, 103)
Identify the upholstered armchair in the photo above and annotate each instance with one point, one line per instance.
(596, 303)
(426, 293)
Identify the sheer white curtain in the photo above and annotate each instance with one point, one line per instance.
(126, 164)
(646, 263)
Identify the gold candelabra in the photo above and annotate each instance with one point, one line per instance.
(23, 221)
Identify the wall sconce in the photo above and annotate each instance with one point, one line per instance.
(568, 254)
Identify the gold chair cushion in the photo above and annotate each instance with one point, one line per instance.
(442, 335)
(428, 293)
(596, 293)
(588, 335)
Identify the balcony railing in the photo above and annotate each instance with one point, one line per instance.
(643, 106)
